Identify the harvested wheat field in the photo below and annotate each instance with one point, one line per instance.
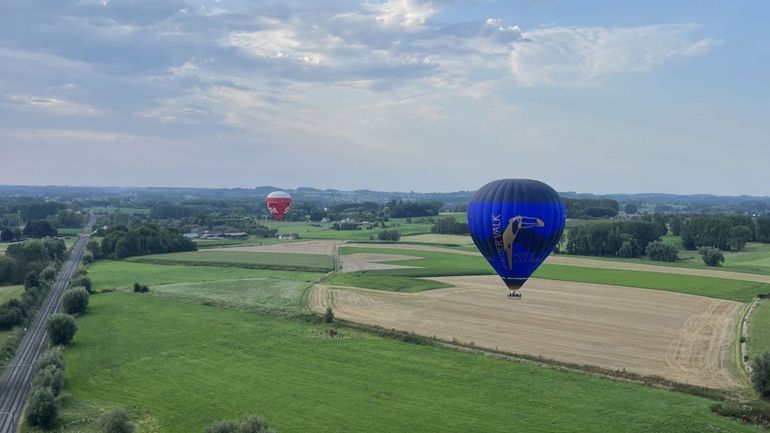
(372, 262)
(325, 248)
(681, 337)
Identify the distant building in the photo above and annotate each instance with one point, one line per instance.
(191, 235)
(235, 235)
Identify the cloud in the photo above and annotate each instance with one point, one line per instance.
(51, 105)
(405, 13)
(583, 55)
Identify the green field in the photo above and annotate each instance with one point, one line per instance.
(378, 280)
(122, 274)
(178, 367)
(70, 231)
(759, 329)
(257, 260)
(221, 243)
(10, 292)
(444, 264)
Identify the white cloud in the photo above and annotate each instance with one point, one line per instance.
(582, 55)
(51, 105)
(405, 13)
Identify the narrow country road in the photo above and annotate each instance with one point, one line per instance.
(17, 378)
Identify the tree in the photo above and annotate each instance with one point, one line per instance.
(763, 228)
(115, 421)
(662, 251)
(83, 281)
(61, 328)
(50, 377)
(329, 315)
(738, 236)
(711, 256)
(630, 208)
(760, 374)
(6, 234)
(32, 279)
(93, 247)
(51, 357)
(48, 274)
(42, 408)
(75, 301)
(389, 235)
(39, 229)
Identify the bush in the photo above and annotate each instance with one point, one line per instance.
(329, 315)
(138, 288)
(115, 421)
(711, 256)
(51, 357)
(75, 301)
(83, 281)
(32, 279)
(389, 235)
(42, 408)
(61, 328)
(662, 251)
(760, 374)
(244, 425)
(88, 258)
(48, 274)
(50, 377)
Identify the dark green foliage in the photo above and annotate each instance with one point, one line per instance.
(32, 279)
(50, 377)
(11, 314)
(75, 301)
(93, 247)
(760, 374)
(7, 234)
(591, 208)
(675, 223)
(606, 239)
(738, 236)
(38, 210)
(410, 209)
(30, 256)
(39, 229)
(630, 208)
(42, 408)
(629, 248)
(755, 412)
(346, 226)
(139, 288)
(763, 228)
(141, 240)
(61, 328)
(51, 357)
(67, 218)
(389, 235)
(83, 281)
(329, 315)
(449, 225)
(48, 274)
(115, 421)
(711, 256)
(88, 258)
(244, 425)
(662, 251)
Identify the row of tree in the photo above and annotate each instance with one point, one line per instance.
(582, 208)
(143, 239)
(32, 256)
(450, 226)
(725, 232)
(621, 238)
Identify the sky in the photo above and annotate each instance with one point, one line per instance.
(406, 95)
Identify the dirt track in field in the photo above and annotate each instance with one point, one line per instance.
(372, 262)
(325, 248)
(560, 259)
(681, 337)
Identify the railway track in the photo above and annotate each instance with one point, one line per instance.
(16, 380)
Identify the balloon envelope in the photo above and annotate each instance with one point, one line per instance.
(516, 223)
(278, 203)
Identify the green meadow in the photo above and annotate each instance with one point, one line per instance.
(759, 329)
(257, 260)
(179, 366)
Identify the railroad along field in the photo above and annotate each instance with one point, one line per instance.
(240, 314)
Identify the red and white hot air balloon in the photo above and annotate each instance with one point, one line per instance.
(278, 203)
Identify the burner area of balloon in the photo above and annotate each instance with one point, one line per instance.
(516, 224)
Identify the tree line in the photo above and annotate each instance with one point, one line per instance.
(622, 238)
(120, 241)
(582, 208)
(724, 232)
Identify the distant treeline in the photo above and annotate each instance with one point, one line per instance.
(449, 226)
(30, 256)
(17, 214)
(581, 208)
(621, 238)
(729, 232)
(143, 239)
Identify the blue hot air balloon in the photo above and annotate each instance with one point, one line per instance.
(516, 223)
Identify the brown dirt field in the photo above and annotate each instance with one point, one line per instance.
(371, 262)
(304, 247)
(681, 337)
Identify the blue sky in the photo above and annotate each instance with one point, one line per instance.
(592, 96)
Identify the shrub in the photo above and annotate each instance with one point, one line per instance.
(61, 328)
(88, 258)
(48, 274)
(50, 377)
(760, 374)
(53, 356)
(83, 281)
(244, 425)
(389, 235)
(115, 421)
(662, 251)
(329, 315)
(711, 256)
(75, 301)
(222, 427)
(42, 408)
(32, 279)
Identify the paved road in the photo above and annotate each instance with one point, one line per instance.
(15, 383)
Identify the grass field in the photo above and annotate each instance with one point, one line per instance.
(111, 210)
(257, 260)
(70, 231)
(122, 274)
(178, 367)
(446, 264)
(204, 244)
(10, 292)
(759, 329)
